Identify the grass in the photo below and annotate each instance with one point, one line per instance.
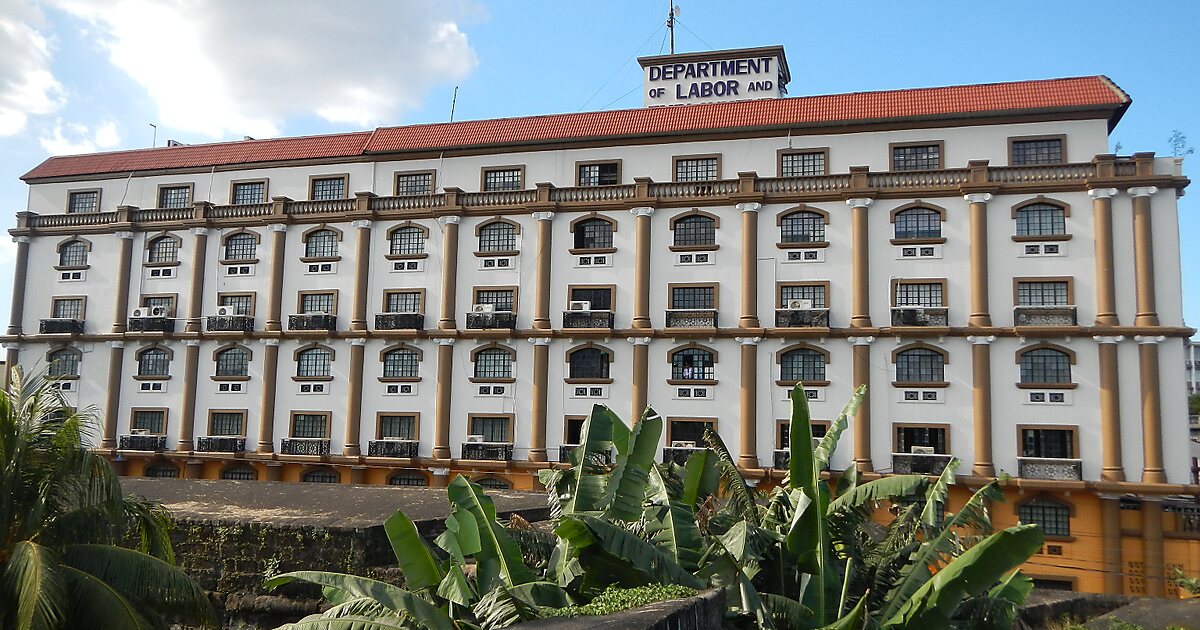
(614, 600)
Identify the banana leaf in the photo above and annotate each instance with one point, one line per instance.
(855, 620)
(672, 524)
(588, 480)
(935, 497)
(824, 451)
(416, 563)
(740, 497)
(456, 588)
(498, 560)
(392, 597)
(879, 490)
(700, 478)
(586, 533)
(627, 482)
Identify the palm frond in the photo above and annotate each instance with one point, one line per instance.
(35, 585)
(148, 582)
(95, 604)
(741, 497)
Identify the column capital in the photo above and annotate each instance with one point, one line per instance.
(748, 341)
(199, 231)
(978, 197)
(750, 206)
(540, 341)
(641, 211)
(859, 202)
(12, 345)
(1102, 193)
(981, 340)
(277, 227)
(639, 341)
(449, 219)
(1108, 338)
(116, 345)
(20, 239)
(1149, 339)
(444, 341)
(1142, 191)
(358, 341)
(361, 224)
(270, 342)
(861, 341)
(543, 216)
(124, 235)
(192, 343)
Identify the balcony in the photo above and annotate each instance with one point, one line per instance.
(920, 316)
(151, 324)
(221, 444)
(142, 443)
(691, 318)
(392, 448)
(802, 318)
(229, 323)
(304, 446)
(312, 321)
(400, 321)
(679, 454)
(60, 326)
(565, 450)
(1050, 468)
(919, 463)
(1044, 316)
(588, 319)
(495, 451)
(493, 320)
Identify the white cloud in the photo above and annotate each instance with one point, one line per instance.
(231, 67)
(75, 138)
(27, 87)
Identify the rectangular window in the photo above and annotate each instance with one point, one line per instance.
(174, 196)
(1053, 293)
(699, 169)
(317, 303)
(242, 304)
(398, 427)
(492, 428)
(813, 292)
(573, 432)
(1037, 151)
(600, 297)
(501, 299)
(165, 302)
(920, 294)
(227, 423)
(784, 435)
(802, 163)
(690, 430)
(325, 188)
(153, 421)
(694, 298)
(310, 425)
(83, 201)
(402, 302)
(248, 192)
(1056, 443)
(409, 184)
(917, 157)
(503, 179)
(908, 437)
(67, 308)
(600, 174)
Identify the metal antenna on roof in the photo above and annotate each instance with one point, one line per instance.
(672, 11)
(453, 102)
(154, 139)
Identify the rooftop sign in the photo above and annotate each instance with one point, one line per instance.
(719, 75)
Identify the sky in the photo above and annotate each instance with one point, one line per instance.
(78, 76)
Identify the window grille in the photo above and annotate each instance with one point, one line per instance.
(802, 227)
(313, 362)
(1045, 151)
(403, 302)
(492, 483)
(500, 299)
(321, 244)
(693, 364)
(598, 174)
(695, 231)
(920, 365)
(151, 421)
(1041, 219)
(233, 362)
(696, 170)
(918, 223)
(498, 237)
(1054, 518)
(493, 363)
(163, 249)
(693, 298)
(240, 303)
(593, 234)
(63, 363)
(327, 188)
(249, 192)
(241, 247)
(73, 254)
(493, 429)
(502, 179)
(925, 157)
(689, 430)
(1045, 365)
(814, 292)
(400, 364)
(310, 425)
(239, 473)
(588, 363)
(226, 423)
(802, 364)
(407, 240)
(409, 184)
(165, 302)
(68, 308)
(600, 298)
(175, 197)
(1042, 293)
(921, 294)
(408, 479)
(1054, 443)
(82, 202)
(162, 471)
(154, 362)
(316, 303)
(908, 437)
(320, 476)
(398, 427)
(802, 164)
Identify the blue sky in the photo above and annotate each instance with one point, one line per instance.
(81, 75)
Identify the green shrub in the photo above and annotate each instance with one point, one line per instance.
(615, 599)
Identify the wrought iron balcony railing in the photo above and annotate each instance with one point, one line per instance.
(920, 316)
(312, 321)
(588, 319)
(497, 319)
(1056, 469)
(221, 444)
(229, 323)
(802, 318)
(497, 451)
(565, 450)
(691, 318)
(142, 443)
(919, 463)
(304, 446)
(392, 448)
(1044, 316)
(151, 324)
(679, 455)
(399, 321)
(60, 325)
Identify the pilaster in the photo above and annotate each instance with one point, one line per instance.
(1143, 256)
(270, 374)
(447, 321)
(353, 444)
(749, 317)
(980, 313)
(1106, 288)
(545, 251)
(641, 272)
(275, 292)
(1152, 436)
(748, 402)
(187, 415)
(860, 264)
(445, 392)
(1113, 466)
(124, 263)
(112, 402)
(981, 396)
(362, 272)
(862, 419)
(537, 428)
(641, 374)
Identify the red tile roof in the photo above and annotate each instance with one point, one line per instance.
(1061, 95)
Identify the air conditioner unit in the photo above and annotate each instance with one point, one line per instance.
(923, 450)
(137, 432)
(799, 305)
(226, 311)
(682, 444)
(474, 439)
(156, 311)
(579, 305)
(319, 313)
(483, 308)
(141, 312)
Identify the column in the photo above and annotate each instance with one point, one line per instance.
(124, 262)
(266, 420)
(980, 313)
(1110, 544)
(1152, 458)
(1154, 569)
(199, 262)
(1112, 467)
(641, 373)
(981, 381)
(860, 266)
(748, 407)
(641, 279)
(1143, 256)
(862, 419)
(545, 250)
(187, 415)
(353, 445)
(362, 267)
(275, 294)
(1106, 288)
(541, 366)
(449, 282)
(445, 388)
(12, 350)
(116, 355)
(749, 317)
(12, 357)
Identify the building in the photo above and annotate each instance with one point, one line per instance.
(404, 304)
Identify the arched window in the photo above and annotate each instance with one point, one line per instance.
(321, 244)
(408, 479)
(695, 230)
(400, 363)
(73, 254)
(593, 234)
(234, 361)
(407, 240)
(498, 236)
(802, 227)
(241, 247)
(693, 364)
(1045, 365)
(320, 475)
(918, 223)
(803, 365)
(63, 363)
(239, 473)
(313, 362)
(154, 362)
(1041, 219)
(1053, 517)
(588, 363)
(493, 483)
(493, 363)
(162, 471)
(163, 249)
(920, 365)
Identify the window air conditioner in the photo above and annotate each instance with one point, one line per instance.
(682, 444)
(156, 311)
(923, 450)
(579, 305)
(483, 308)
(474, 439)
(226, 311)
(799, 305)
(137, 432)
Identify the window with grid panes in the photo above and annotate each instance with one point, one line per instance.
(593, 234)
(226, 423)
(154, 362)
(693, 298)
(325, 188)
(1042, 293)
(164, 302)
(802, 164)
(67, 308)
(309, 425)
(1045, 365)
(918, 223)
(924, 157)
(600, 298)
(83, 202)
(588, 363)
(320, 476)
(163, 249)
(908, 437)
(408, 479)
(152, 421)
(813, 292)
(398, 427)
(403, 302)
(696, 169)
(316, 303)
(500, 299)
(493, 429)
(922, 294)
(492, 483)
(1044, 151)
(313, 362)
(693, 364)
(162, 471)
(407, 240)
(321, 244)
(802, 227)
(493, 363)
(1041, 219)
(1053, 443)
(689, 431)
(605, 174)
(175, 197)
(239, 473)
(63, 363)
(498, 237)
(241, 247)
(803, 365)
(233, 362)
(1052, 517)
(400, 363)
(695, 230)
(73, 254)
(502, 179)
(409, 184)
(240, 303)
(249, 192)
(920, 365)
